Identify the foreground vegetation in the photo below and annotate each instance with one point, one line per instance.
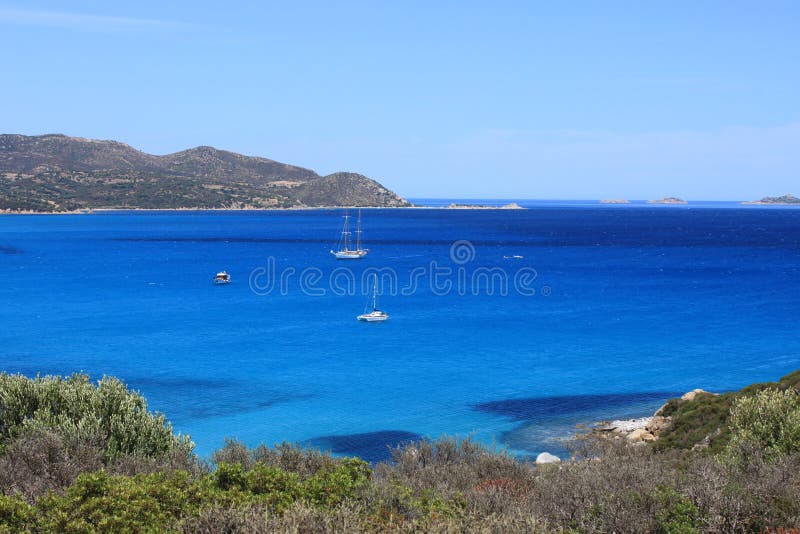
(83, 457)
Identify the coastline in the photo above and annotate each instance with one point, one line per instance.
(644, 429)
(460, 205)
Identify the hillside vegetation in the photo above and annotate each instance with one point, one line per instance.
(706, 418)
(54, 173)
(84, 457)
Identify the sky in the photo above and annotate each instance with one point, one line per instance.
(468, 99)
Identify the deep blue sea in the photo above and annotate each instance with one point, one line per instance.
(609, 311)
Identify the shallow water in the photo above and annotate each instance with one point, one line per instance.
(630, 305)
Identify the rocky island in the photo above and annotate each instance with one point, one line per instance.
(511, 206)
(668, 200)
(56, 173)
(615, 201)
(785, 200)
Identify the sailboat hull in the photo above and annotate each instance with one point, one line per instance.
(349, 254)
(373, 317)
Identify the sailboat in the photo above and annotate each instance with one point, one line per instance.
(375, 315)
(345, 252)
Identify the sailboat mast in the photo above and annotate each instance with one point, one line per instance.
(345, 231)
(375, 293)
(358, 232)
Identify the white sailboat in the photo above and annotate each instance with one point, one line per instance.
(375, 315)
(345, 252)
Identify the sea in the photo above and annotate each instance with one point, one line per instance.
(515, 328)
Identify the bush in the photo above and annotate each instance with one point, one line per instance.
(15, 514)
(289, 457)
(109, 414)
(768, 420)
(332, 486)
(98, 502)
(41, 461)
(679, 514)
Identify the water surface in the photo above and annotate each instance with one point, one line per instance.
(631, 305)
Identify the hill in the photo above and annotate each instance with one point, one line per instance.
(53, 173)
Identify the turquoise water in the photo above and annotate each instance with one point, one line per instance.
(628, 306)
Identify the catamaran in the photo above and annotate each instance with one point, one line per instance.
(375, 315)
(345, 252)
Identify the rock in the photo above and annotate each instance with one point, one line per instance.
(547, 458)
(661, 410)
(692, 394)
(629, 425)
(607, 427)
(657, 423)
(640, 434)
(702, 444)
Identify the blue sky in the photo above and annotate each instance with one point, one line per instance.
(504, 99)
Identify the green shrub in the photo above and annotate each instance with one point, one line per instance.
(15, 515)
(107, 413)
(704, 418)
(275, 487)
(679, 515)
(266, 479)
(331, 486)
(768, 420)
(98, 502)
(694, 420)
(230, 476)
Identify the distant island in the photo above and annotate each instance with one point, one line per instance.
(512, 206)
(56, 173)
(615, 201)
(784, 200)
(668, 200)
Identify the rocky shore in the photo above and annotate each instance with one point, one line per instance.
(644, 429)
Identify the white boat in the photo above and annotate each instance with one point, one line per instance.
(222, 277)
(376, 315)
(345, 252)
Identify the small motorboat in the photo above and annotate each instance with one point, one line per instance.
(222, 277)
